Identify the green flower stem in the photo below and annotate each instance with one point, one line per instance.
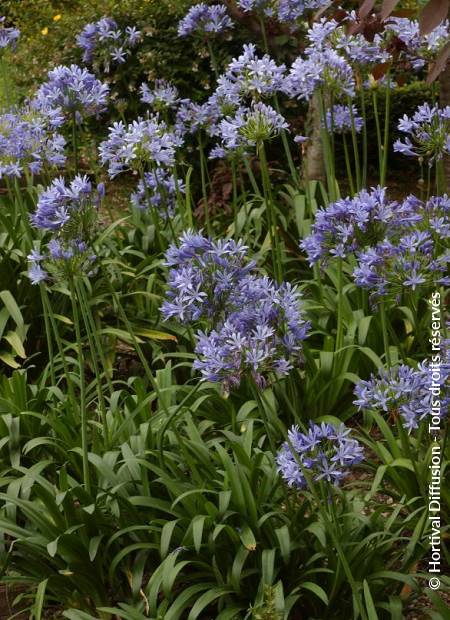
(24, 214)
(75, 142)
(152, 211)
(213, 58)
(251, 176)
(271, 214)
(180, 202)
(287, 148)
(82, 399)
(406, 448)
(378, 129)
(384, 331)
(428, 183)
(203, 173)
(48, 335)
(163, 194)
(348, 165)
(263, 33)
(187, 198)
(441, 181)
(48, 312)
(260, 402)
(96, 350)
(387, 113)
(235, 197)
(364, 137)
(330, 528)
(340, 307)
(355, 148)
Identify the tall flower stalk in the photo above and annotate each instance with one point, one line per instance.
(82, 389)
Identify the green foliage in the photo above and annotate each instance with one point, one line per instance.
(46, 42)
(131, 489)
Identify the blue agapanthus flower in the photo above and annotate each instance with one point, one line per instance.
(254, 326)
(324, 68)
(158, 190)
(250, 126)
(202, 275)
(326, 454)
(350, 224)
(289, 11)
(263, 6)
(69, 213)
(427, 133)
(8, 35)
(104, 43)
(144, 142)
(252, 76)
(329, 34)
(205, 19)
(192, 117)
(405, 263)
(74, 90)
(161, 97)
(285, 11)
(403, 391)
(29, 141)
(262, 333)
(342, 119)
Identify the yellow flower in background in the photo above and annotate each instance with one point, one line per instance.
(44, 31)
(56, 18)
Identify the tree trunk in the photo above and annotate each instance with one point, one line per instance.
(314, 164)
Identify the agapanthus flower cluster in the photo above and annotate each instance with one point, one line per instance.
(343, 119)
(418, 48)
(205, 19)
(255, 327)
(69, 213)
(8, 35)
(437, 215)
(104, 43)
(250, 126)
(73, 89)
(252, 76)
(192, 117)
(29, 141)
(350, 224)
(433, 215)
(289, 11)
(225, 99)
(285, 11)
(163, 96)
(326, 454)
(355, 48)
(144, 142)
(324, 68)
(403, 391)
(158, 189)
(403, 263)
(427, 133)
(265, 7)
(203, 273)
